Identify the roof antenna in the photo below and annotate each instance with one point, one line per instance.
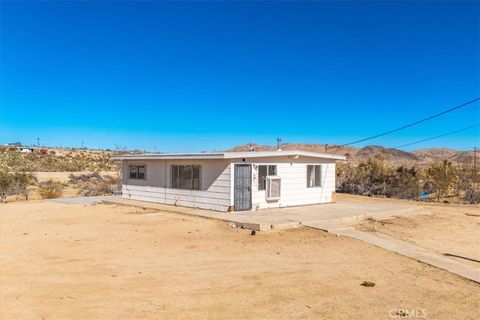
(279, 144)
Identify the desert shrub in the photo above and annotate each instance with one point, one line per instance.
(15, 184)
(404, 183)
(20, 183)
(84, 177)
(442, 176)
(50, 189)
(5, 185)
(367, 178)
(93, 184)
(472, 196)
(374, 178)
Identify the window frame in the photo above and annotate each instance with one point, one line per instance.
(268, 191)
(176, 184)
(262, 182)
(137, 165)
(316, 184)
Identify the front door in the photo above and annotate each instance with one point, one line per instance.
(243, 187)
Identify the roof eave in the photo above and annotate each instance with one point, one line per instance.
(229, 155)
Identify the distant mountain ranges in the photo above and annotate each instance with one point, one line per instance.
(389, 155)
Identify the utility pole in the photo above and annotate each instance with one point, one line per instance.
(474, 165)
(82, 144)
(38, 142)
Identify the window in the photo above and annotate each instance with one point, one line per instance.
(273, 188)
(263, 172)
(314, 176)
(138, 171)
(186, 177)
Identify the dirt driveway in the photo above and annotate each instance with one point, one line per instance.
(106, 262)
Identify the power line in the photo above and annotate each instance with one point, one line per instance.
(439, 136)
(413, 123)
(456, 155)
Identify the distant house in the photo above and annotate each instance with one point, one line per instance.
(231, 181)
(26, 149)
(18, 147)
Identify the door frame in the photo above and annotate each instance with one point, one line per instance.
(250, 188)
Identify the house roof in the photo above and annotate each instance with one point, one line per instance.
(229, 155)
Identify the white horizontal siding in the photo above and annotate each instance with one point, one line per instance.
(215, 180)
(209, 205)
(294, 189)
(174, 193)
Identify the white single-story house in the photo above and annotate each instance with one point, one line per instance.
(230, 181)
(26, 149)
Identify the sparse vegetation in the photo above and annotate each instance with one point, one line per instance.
(50, 189)
(375, 178)
(13, 160)
(94, 184)
(44, 160)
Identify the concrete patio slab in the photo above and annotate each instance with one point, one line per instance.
(84, 200)
(342, 212)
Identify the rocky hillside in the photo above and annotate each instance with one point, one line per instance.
(389, 155)
(46, 159)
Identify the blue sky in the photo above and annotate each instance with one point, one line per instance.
(211, 75)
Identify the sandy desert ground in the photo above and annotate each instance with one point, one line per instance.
(114, 262)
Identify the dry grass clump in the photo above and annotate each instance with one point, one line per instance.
(50, 189)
